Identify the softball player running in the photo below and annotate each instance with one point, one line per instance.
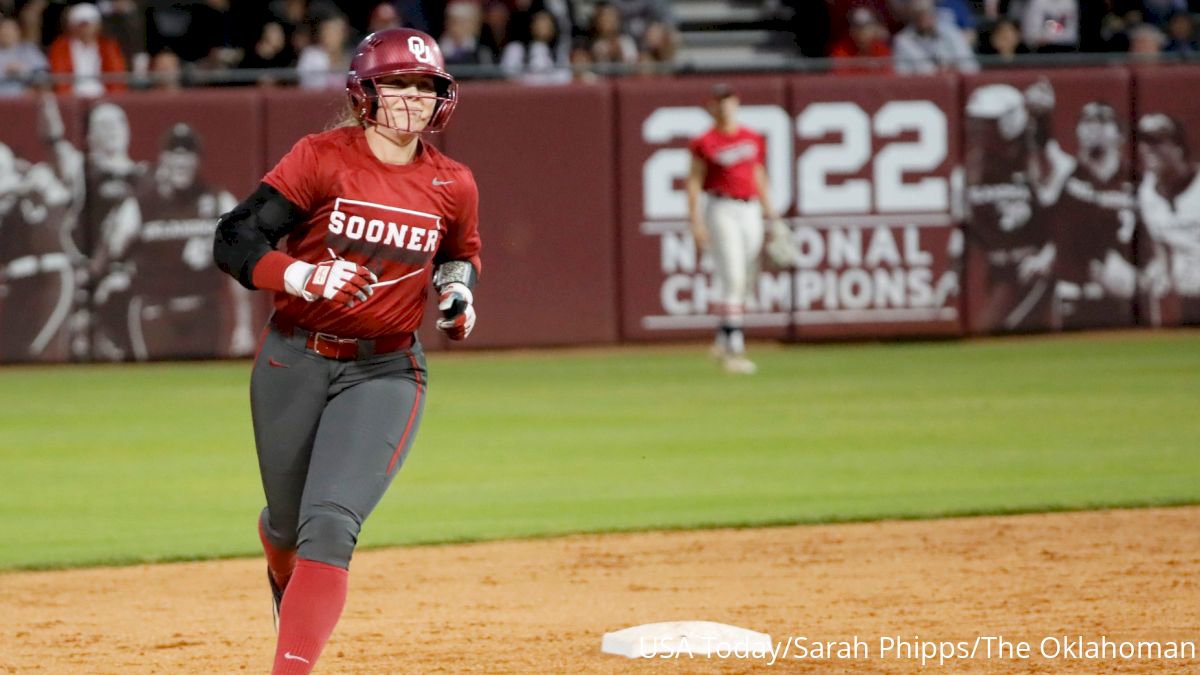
(727, 165)
(372, 214)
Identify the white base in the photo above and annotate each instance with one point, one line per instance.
(696, 638)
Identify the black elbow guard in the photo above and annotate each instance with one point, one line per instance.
(251, 230)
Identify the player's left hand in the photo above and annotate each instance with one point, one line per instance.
(781, 247)
(458, 311)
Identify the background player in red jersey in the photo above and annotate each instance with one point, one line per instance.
(372, 215)
(727, 165)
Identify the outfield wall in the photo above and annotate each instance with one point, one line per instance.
(1015, 201)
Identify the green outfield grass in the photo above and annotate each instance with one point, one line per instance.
(156, 462)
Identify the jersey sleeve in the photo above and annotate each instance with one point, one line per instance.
(296, 175)
(696, 147)
(462, 240)
(761, 142)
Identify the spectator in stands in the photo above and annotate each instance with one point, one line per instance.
(383, 15)
(657, 45)
(1003, 39)
(1146, 42)
(1182, 33)
(298, 17)
(519, 19)
(494, 35)
(323, 64)
(535, 59)
(167, 27)
(867, 40)
(125, 21)
(460, 41)
(166, 71)
(1051, 25)
(610, 43)
(1116, 24)
(638, 15)
(86, 54)
(214, 31)
(271, 50)
(20, 61)
(289, 13)
(889, 13)
(1159, 12)
(568, 27)
(582, 62)
(30, 18)
(927, 46)
(957, 13)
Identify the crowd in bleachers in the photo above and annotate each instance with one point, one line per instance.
(916, 36)
(173, 43)
(117, 44)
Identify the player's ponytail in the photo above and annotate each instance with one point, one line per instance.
(346, 117)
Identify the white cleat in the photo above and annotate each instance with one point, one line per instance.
(739, 365)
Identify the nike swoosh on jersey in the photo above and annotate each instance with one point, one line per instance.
(439, 183)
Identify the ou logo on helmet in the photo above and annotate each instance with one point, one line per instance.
(420, 50)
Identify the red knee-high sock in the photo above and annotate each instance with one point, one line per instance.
(311, 608)
(280, 561)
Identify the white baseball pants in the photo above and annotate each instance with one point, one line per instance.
(735, 234)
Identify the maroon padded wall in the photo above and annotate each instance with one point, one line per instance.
(543, 160)
(875, 175)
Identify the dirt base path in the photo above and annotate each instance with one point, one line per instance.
(542, 606)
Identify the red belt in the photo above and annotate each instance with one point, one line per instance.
(348, 349)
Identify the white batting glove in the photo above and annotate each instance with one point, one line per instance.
(339, 280)
(458, 311)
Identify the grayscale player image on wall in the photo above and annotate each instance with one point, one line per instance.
(152, 211)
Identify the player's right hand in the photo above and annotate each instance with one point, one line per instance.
(341, 281)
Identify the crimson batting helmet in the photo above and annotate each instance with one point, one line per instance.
(399, 51)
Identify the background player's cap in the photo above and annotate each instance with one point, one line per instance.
(181, 137)
(721, 91)
(861, 16)
(84, 12)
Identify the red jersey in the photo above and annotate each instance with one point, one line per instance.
(729, 161)
(845, 55)
(397, 220)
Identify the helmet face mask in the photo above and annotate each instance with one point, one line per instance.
(400, 111)
(394, 53)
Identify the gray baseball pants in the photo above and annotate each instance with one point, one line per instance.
(331, 435)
